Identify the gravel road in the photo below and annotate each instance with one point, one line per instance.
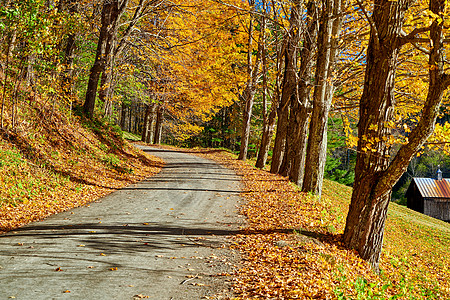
(162, 238)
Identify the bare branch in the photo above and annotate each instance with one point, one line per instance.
(411, 37)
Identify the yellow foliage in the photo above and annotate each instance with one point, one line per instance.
(205, 66)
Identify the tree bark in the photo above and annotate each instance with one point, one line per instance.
(151, 124)
(269, 126)
(111, 12)
(67, 73)
(300, 110)
(329, 32)
(249, 93)
(9, 50)
(268, 118)
(123, 115)
(158, 125)
(145, 127)
(289, 86)
(375, 173)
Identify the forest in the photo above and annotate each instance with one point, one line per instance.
(348, 90)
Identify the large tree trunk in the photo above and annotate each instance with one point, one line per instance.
(151, 124)
(375, 175)
(288, 91)
(366, 218)
(104, 94)
(249, 93)
(329, 32)
(248, 97)
(98, 67)
(9, 52)
(300, 110)
(269, 126)
(111, 12)
(145, 127)
(158, 125)
(123, 115)
(268, 118)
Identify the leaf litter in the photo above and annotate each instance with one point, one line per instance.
(291, 245)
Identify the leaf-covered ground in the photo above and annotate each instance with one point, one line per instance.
(56, 162)
(291, 245)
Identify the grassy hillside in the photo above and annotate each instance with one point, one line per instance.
(52, 161)
(415, 258)
(292, 246)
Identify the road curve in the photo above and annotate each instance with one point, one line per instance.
(161, 238)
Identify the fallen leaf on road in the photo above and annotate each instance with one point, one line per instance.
(102, 254)
(113, 269)
(66, 291)
(140, 296)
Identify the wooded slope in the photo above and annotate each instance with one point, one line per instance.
(55, 161)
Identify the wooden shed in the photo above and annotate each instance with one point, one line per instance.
(430, 197)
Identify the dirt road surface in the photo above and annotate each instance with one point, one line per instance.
(162, 238)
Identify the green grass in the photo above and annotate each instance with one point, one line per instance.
(130, 136)
(415, 258)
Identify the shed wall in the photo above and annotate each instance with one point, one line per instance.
(437, 208)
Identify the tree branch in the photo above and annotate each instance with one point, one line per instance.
(411, 37)
(371, 23)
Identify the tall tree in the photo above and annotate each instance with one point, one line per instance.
(67, 74)
(111, 12)
(289, 85)
(301, 109)
(269, 117)
(376, 172)
(328, 37)
(249, 92)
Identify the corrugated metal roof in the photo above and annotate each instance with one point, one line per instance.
(432, 188)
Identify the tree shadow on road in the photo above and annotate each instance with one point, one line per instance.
(138, 237)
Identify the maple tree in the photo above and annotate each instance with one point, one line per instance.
(328, 37)
(250, 88)
(376, 172)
